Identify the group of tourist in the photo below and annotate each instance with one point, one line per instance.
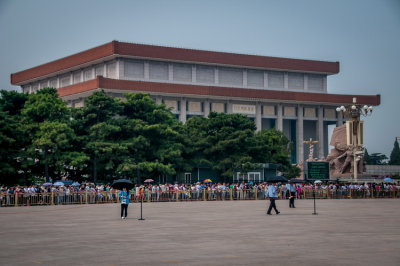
(91, 193)
(162, 188)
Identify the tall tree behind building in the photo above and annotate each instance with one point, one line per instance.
(395, 154)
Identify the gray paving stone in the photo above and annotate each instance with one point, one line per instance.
(345, 232)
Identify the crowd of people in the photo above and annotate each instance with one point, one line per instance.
(91, 193)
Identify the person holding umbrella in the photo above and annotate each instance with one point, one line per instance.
(124, 196)
(272, 195)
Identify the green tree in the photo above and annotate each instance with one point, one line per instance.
(366, 157)
(12, 138)
(223, 140)
(152, 137)
(395, 154)
(272, 146)
(45, 105)
(46, 123)
(378, 159)
(50, 144)
(97, 131)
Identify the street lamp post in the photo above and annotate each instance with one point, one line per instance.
(355, 131)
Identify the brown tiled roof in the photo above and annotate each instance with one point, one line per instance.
(175, 54)
(64, 63)
(156, 87)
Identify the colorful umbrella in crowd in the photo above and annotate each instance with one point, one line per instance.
(59, 183)
(47, 184)
(207, 180)
(148, 180)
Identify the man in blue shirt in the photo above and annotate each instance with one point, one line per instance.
(124, 199)
(292, 191)
(272, 195)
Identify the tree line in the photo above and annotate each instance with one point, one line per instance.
(41, 138)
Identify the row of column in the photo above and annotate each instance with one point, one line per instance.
(279, 124)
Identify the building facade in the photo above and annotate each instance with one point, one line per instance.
(287, 94)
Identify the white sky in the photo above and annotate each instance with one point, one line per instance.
(363, 35)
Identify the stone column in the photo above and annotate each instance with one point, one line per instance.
(265, 79)
(158, 100)
(258, 117)
(119, 68)
(306, 82)
(146, 70)
(339, 119)
(279, 119)
(193, 74)
(300, 134)
(229, 108)
(182, 114)
(206, 108)
(245, 78)
(286, 80)
(320, 132)
(170, 72)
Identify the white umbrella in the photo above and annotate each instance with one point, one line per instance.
(58, 183)
(317, 182)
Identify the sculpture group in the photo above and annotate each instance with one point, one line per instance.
(341, 157)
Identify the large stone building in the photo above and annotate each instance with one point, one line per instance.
(288, 94)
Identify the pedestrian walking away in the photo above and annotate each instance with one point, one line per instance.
(272, 195)
(292, 191)
(124, 199)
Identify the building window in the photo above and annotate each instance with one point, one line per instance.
(315, 82)
(158, 70)
(182, 72)
(65, 81)
(88, 74)
(43, 84)
(254, 177)
(77, 77)
(99, 70)
(295, 81)
(112, 70)
(255, 78)
(275, 79)
(230, 76)
(53, 83)
(134, 69)
(205, 74)
(188, 178)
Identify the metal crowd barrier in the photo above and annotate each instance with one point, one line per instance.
(62, 198)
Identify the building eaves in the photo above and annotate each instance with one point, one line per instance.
(122, 49)
(239, 93)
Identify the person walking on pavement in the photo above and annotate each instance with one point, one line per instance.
(272, 195)
(124, 199)
(292, 195)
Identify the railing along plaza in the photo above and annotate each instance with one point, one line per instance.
(101, 197)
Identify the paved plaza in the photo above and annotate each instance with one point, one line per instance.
(345, 232)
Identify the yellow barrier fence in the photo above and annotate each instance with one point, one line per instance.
(85, 197)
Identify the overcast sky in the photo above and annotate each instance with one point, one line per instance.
(363, 35)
